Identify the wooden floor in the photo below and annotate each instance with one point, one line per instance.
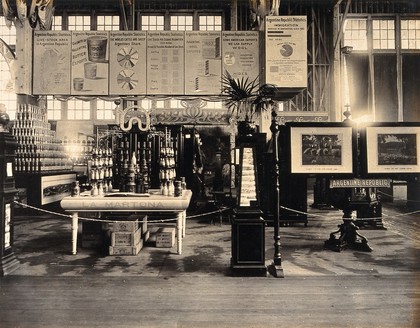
(335, 301)
(159, 288)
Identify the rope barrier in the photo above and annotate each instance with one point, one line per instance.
(201, 214)
(103, 220)
(396, 198)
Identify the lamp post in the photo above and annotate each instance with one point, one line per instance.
(275, 268)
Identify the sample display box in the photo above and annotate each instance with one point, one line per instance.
(125, 238)
(126, 250)
(165, 237)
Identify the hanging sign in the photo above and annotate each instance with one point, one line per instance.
(165, 62)
(203, 62)
(90, 63)
(360, 183)
(286, 51)
(240, 53)
(51, 66)
(127, 62)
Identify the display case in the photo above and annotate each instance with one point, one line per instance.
(45, 188)
(248, 224)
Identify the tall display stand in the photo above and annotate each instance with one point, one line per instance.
(8, 261)
(248, 225)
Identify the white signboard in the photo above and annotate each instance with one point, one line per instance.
(241, 54)
(286, 51)
(203, 66)
(165, 62)
(127, 62)
(51, 67)
(90, 63)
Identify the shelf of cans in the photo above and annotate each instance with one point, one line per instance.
(38, 148)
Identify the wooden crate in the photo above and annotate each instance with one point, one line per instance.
(126, 250)
(92, 240)
(91, 227)
(127, 224)
(146, 235)
(125, 238)
(122, 226)
(165, 237)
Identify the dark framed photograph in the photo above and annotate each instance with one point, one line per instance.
(393, 149)
(321, 149)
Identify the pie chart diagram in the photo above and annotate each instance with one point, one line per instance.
(127, 57)
(127, 80)
(286, 50)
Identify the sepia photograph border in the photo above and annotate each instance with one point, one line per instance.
(372, 149)
(346, 165)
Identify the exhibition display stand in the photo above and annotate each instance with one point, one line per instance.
(8, 261)
(152, 202)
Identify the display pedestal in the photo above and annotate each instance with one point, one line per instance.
(8, 262)
(248, 225)
(349, 237)
(248, 242)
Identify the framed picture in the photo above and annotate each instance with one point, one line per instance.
(392, 149)
(322, 149)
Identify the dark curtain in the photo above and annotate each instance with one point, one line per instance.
(411, 87)
(358, 76)
(386, 97)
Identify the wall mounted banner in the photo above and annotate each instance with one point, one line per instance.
(102, 63)
(51, 65)
(90, 63)
(165, 62)
(203, 53)
(240, 54)
(127, 62)
(286, 51)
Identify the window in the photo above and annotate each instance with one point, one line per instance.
(355, 34)
(105, 110)
(152, 23)
(8, 35)
(210, 23)
(214, 104)
(181, 23)
(107, 23)
(383, 34)
(79, 23)
(78, 110)
(57, 24)
(53, 108)
(410, 34)
(7, 93)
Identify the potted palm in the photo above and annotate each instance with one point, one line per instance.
(245, 99)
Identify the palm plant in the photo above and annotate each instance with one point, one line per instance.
(244, 96)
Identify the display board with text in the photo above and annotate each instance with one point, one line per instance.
(100, 63)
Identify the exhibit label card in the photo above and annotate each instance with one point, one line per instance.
(203, 62)
(51, 66)
(127, 63)
(90, 63)
(240, 53)
(286, 51)
(165, 62)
